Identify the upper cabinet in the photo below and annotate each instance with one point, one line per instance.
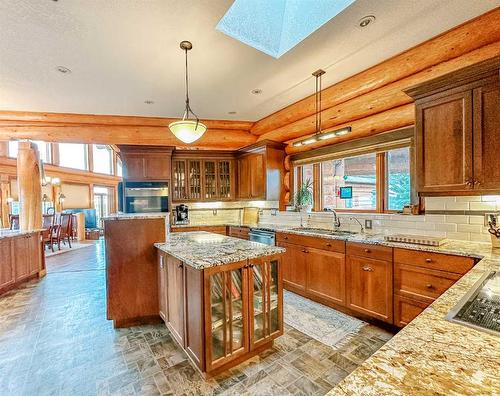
(207, 178)
(457, 135)
(146, 162)
(260, 171)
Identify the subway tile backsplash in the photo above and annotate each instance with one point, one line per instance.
(448, 217)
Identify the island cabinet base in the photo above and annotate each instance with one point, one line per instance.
(221, 315)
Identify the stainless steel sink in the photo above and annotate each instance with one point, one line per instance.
(323, 231)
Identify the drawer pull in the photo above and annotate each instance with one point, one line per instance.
(305, 251)
(367, 251)
(285, 237)
(180, 265)
(329, 244)
(368, 269)
(429, 286)
(428, 260)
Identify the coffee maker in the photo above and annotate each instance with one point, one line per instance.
(181, 214)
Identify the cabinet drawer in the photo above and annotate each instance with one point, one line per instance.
(421, 283)
(370, 251)
(332, 245)
(437, 261)
(239, 232)
(407, 309)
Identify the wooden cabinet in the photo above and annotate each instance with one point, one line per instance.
(162, 286)
(260, 171)
(7, 276)
(326, 275)
(222, 230)
(34, 253)
(239, 232)
(456, 131)
(369, 282)
(294, 268)
(205, 179)
(146, 162)
(406, 309)
(175, 298)
(21, 257)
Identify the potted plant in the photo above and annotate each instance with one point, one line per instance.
(304, 197)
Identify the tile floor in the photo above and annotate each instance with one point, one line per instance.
(55, 340)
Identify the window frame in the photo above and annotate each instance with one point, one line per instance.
(381, 174)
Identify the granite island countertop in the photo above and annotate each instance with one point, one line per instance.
(8, 233)
(135, 216)
(202, 249)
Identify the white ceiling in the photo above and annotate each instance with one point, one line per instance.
(123, 52)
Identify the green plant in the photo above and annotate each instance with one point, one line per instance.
(304, 196)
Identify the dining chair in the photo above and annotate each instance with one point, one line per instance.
(65, 221)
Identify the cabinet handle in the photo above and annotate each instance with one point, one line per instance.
(428, 260)
(285, 237)
(429, 286)
(469, 183)
(367, 251)
(305, 251)
(180, 265)
(329, 244)
(477, 182)
(368, 269)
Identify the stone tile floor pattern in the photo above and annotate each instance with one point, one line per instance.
(55, 340)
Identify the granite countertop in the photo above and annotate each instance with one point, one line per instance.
(202, 249)
(135, 216)
(7, 233)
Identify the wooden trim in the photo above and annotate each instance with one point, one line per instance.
(89, 150)
(317, 188)
(381, 185)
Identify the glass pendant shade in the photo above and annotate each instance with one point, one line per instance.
(187, 131)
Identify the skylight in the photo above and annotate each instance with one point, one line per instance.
(276, 26)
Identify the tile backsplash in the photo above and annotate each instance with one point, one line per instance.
(448, 217)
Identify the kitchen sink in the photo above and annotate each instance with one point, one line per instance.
(323, 231)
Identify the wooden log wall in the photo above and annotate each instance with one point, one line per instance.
(102, 129)
(373, 101)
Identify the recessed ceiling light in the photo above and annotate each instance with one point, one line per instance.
(63, 70)
(366, 20)
(231, 112)
(149, 102)
(257, 91)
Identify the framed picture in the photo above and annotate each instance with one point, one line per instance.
(345, 192)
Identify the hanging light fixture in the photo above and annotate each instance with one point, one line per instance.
(319, 134)
(187, 130)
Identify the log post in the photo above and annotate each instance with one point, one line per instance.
(30, 187)
(4, 195)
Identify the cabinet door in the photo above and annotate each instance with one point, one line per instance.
(486, 137)
(162, 286)
(20, 251)
(369, 287)
(226, 314)
(444, 143)
(225, 179)
(194, 179)
(257, 176)
(179, 181)
(210, 188)
(133, 166)
(175, 298)
(244, 178)
(34, 253)
(294, 268)
(406, 309)
(157, 167)
(6, 267)
(326, 275)
(266, 300)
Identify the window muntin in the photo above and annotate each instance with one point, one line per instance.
(119, 167)
(73, 155)
(398, 178)
(102, 156)
(358, 172)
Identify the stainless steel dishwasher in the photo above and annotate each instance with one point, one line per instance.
(262, 236)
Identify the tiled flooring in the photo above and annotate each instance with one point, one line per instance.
(55, 340)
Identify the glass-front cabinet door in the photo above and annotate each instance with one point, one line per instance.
(225, 175)
(266, 313)
(226, 294)
(179, 180)
(210, 179)
(194, 179)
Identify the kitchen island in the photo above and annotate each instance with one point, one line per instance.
(221, 297)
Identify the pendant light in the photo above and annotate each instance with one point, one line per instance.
(187, 130)
(319, 134)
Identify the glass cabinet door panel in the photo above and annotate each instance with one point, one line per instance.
(209, 174)
(237, 310)
(224, 170)
(194, 179)
(179, 189)
(259, 292)
(273, 296)
(218, 314)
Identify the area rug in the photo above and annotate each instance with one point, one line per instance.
(324, 324)
(66, 248)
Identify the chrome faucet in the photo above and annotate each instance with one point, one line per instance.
(359, 222)
(336, 220)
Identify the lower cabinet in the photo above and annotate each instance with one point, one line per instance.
(7, 275)
(369, 287)
(21, 257)
(239, 232)
(294, 267)
(214, 229)
(221, 314)
(162, 286)
(406, 309)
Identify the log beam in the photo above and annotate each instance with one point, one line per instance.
(30, 188)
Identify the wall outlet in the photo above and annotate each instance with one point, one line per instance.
(491, 218)
(368, 224)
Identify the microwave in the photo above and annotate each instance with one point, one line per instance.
(145, 197)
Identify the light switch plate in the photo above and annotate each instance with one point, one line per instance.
(368, 224)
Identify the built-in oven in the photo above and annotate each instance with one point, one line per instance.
(146, 197)
(262, 236)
